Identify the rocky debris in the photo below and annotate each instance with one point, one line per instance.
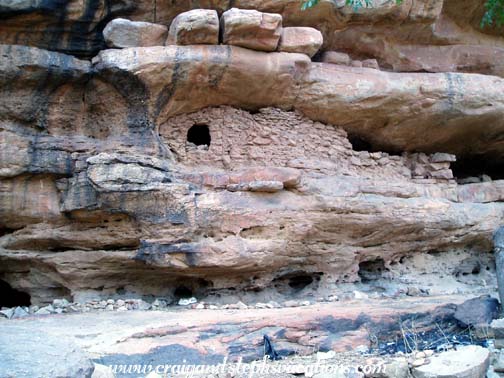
(28, 353)
(122, 33)
(477, 311)
(302, 40)
(195, 27)
(187, 301)
(7, 312)
(335, 57)
(465, 362)
(251, 29)
(436, 166)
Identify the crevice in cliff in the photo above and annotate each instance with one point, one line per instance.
(477, 169)
(6, 231)
(10, 297)
(371, 270)
(295, 282)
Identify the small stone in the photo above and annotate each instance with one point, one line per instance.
(58, 311)
(213, 307)
(60, 303)
(291, 303)
(356, 63)
(187, 301)
(110, 301)
(142, 305)
(413, 291)
(371, 63)
(7, 313)
(200, 306)
(124, 33)
(120, 302)
(440, 157)
(445, 174)
(360, 295)
(195, 27)
(305, 303)
(109, 307)
(34, 309)
(19, 312)
(122, 309)
(335, 57)
(43, 311)
(261, 305)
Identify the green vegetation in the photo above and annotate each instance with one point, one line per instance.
(494, 14)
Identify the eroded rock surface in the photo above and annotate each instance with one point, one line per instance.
(149, 169)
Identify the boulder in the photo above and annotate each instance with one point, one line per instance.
(303, 40)
(371, 63)
(251, 29)
(195, 27)
(476, 311)
(335, 57)
(124, 33)
(466, 362)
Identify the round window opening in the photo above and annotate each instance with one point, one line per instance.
(199, 135)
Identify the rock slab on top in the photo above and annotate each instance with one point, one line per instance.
(195, 27)
(303, 40)
(251, 29)
(124, 33)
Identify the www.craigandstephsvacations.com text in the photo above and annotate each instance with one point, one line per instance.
(240, 369)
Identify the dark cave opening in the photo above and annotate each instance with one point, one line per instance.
(358, 143)
(182, 292)
(10, 297)
(477, 167)
(296, 281)
(192, 287)
(199, 135)
(371, 270)
(300, 282)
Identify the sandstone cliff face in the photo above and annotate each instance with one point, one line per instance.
(222, 169)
